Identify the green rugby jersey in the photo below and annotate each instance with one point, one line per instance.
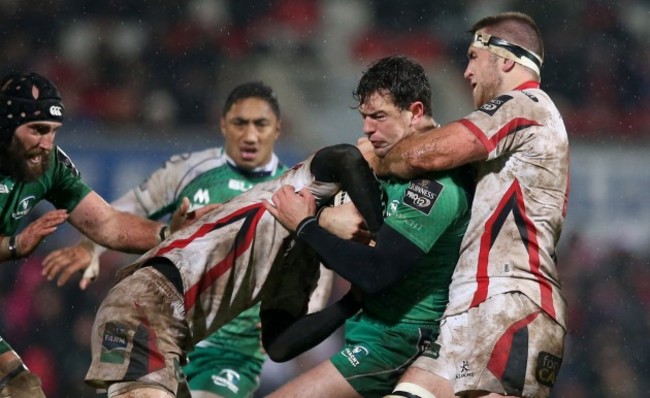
(60, 185)
(433, 213)
(205, 177)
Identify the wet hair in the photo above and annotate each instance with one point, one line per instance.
(515, 27)
(400, 77)
(256, 89)
(24, 98)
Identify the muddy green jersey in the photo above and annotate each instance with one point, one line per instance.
(60, 185)
(433, 213)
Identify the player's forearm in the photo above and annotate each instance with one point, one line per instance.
(371, 269)
(443, 148)
(133, 234)
(128, 203)
(114, 229)
(125, 232)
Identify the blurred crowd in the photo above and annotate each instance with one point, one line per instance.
(163, 64)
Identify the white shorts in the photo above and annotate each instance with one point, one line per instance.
(138, 335)
(506, 345)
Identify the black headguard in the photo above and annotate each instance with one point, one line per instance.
(27, 97)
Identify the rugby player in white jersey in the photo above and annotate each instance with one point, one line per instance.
(204, 276)
(503, 331)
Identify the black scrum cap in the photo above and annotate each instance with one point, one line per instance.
(27, 97)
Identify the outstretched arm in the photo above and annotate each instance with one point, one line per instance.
(370, 268)
(114, 229)
(441, 148)
(123, 231)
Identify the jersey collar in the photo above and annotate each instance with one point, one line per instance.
(258, 172)
(528, 85)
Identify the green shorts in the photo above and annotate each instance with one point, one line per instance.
(228, 374)
(376, 354)
(228, 363)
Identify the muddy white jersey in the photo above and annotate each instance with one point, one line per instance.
(519, 206)
(225, 258)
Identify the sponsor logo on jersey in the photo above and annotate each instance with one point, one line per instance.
(227, 378)
(114, 342)
(355, 354)
(24, 207)
(529, 95)
(421, 194)
(547, 368)
(464, 370)
(494, 104)
(239, 185)
(432, 351)
(202, 197)
(392, 207)
(4, 188)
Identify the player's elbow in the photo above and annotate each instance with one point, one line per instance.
(278, 353)
(279, 348)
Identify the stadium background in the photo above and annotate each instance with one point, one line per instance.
(143, 80)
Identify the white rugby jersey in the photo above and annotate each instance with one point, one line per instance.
(519, 206)
(225, 258)
(204, 176)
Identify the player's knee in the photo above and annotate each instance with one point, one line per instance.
(410, 390)
(23, 385)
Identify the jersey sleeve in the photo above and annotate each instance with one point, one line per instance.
(156, 196)
(425, 208)
(506, 122)
(68, 189)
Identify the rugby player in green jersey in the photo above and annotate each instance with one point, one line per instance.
(33, 168)
(228, 363)
(405, 276)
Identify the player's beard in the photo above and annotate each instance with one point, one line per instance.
(14, 162)
(490, 86)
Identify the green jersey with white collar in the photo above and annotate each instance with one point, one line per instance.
(60, 185)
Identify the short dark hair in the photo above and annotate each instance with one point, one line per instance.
(515, 27)
(401, 77)
(256, 89)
